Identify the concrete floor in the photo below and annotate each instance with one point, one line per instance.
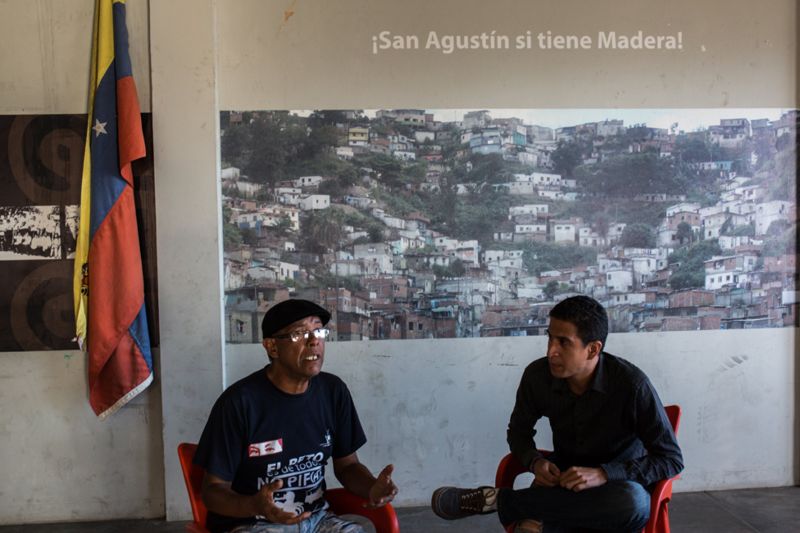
(775, 510)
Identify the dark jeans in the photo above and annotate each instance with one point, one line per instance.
(619, 506)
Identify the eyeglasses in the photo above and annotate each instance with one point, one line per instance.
(319, 333)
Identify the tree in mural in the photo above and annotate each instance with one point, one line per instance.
(684, 233)
(322, 230)
(638, 235)
(566, 157)
(691, 271)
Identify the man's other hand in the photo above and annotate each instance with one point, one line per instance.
(546, 473)
(265, 506)
(578, 478)
(383, 490)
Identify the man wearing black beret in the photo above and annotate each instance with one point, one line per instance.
(270, 435)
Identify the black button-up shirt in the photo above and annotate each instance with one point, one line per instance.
(618, 424)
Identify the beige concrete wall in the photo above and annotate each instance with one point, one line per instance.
(58, 460)
(188, 211)
(46, 54)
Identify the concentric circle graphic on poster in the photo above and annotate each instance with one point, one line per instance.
(43, 300)
(46, 160)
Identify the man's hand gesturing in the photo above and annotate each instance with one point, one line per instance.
(383, 490)
(265, 506)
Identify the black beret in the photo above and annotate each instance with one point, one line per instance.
(286, 312)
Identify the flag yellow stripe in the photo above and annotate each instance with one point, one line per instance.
(104, 39)
(102, 57)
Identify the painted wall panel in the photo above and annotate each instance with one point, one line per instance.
(275, 55)
(63, 463)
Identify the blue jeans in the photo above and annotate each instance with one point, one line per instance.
(320, 522)
(619, 506)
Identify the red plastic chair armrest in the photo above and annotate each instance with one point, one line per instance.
(507, 471)
(509, 468)
(384, 518)
(659, 500)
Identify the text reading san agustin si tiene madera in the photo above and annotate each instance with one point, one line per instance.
(547, 40)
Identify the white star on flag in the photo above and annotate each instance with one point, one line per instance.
(99, 127)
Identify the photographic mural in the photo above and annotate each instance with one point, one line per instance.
(416, 224)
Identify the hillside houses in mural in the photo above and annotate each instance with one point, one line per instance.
(409, 228)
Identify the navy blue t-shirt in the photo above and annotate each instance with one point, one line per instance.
(257, 433)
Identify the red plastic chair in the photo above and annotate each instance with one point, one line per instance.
(509, 468)
(341, 501)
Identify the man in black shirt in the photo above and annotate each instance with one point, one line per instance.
(611, 436)
(270, 435)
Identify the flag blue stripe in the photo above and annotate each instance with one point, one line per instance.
(141, 336)
(107, 183)
(121, 57)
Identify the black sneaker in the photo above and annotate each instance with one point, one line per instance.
(452, 503)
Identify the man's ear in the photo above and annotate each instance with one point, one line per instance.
(595, 347)
(270, 346)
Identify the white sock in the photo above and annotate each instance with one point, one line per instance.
(490, 499)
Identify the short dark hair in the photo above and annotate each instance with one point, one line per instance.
(589, 317)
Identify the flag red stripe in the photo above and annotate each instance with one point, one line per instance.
(115, 279)
(124, 370)
(129, 124)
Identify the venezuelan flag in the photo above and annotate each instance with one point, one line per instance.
(108, 284)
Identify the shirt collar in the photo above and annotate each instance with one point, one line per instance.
(558, 384)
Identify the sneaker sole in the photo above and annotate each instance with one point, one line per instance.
(435, 505)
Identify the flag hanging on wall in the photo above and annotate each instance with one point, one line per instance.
(108, 285)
